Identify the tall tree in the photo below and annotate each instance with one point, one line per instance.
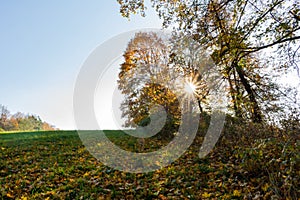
(146, 63)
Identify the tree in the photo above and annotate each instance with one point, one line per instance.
(192, 62)
(4, 117)
(146, 63)
(237, 32)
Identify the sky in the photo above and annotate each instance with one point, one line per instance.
(43, 45)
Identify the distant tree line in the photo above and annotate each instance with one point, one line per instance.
(21, 122)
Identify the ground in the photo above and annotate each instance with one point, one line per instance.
(55, 165)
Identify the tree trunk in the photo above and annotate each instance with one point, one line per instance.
(199, 104)
(233, 97)
(256, 113)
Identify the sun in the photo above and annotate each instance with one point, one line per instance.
(190, 87)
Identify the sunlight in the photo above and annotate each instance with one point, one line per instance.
(189, 87)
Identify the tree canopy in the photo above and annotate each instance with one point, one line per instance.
(146, 63)
(251, 43)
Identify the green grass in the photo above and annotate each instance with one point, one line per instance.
(55, 165)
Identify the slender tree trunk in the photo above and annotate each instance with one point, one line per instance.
(233, 97)
(199, 104)
(256, 112)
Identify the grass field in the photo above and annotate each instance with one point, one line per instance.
(55, 165)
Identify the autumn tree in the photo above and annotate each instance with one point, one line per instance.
(250, 41)
(140, 80)
(191, 61)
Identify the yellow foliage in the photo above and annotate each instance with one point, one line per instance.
(86, 174)
(236, 193)
(9, 195)
(265, 187)
(24, 198)
(206, 195)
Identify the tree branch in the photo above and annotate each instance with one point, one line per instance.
(259, 19)
(255, 49)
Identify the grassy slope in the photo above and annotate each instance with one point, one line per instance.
(55, 165)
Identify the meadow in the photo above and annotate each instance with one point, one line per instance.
(56, 165)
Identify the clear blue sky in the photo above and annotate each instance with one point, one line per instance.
(43, 45)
